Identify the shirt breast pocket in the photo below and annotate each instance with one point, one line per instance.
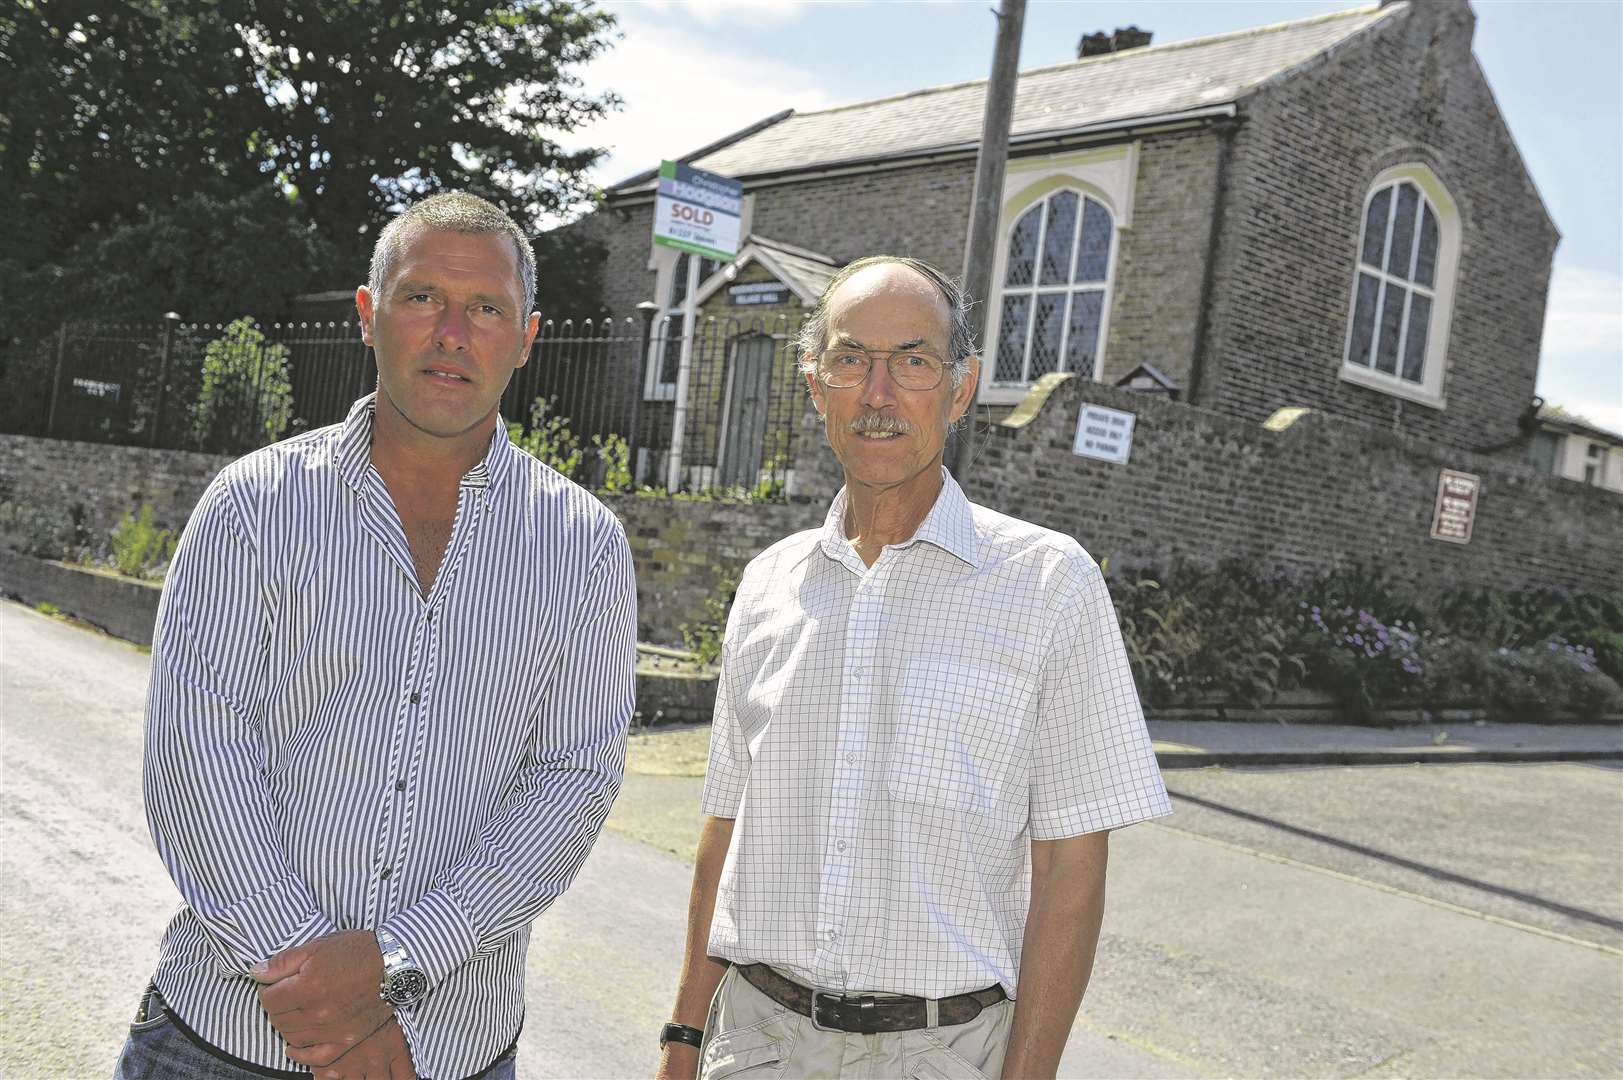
(958, 735)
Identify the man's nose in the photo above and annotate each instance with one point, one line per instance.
(880, 389)
(452, 332)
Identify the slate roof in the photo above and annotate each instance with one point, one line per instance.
(1099, 92)
(805, 271)
(810, 270)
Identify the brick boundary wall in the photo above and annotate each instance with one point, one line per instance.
(682, 547)
(100, 483)
(1325, 492)
(1200, 486)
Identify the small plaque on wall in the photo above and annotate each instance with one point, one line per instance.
(759, 292)
(1106, 434)
(1455, 512)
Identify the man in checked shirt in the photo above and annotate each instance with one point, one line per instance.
(925, 730)
(390, 685)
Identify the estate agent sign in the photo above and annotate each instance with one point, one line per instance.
(697, 211)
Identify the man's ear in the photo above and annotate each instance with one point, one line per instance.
(816, 389)
(531, 326)
(965, 391)
(365, 312)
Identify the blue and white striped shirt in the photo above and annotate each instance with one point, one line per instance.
(327, 749)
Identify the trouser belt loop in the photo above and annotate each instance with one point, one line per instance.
(932, 1013)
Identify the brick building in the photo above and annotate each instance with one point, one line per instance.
(1328, 213)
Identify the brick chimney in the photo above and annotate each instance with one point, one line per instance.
(1100, 43)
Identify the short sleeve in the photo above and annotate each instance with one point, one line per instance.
(1094, 766)
(728, 771)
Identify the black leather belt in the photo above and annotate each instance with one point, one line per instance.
(866, 1014)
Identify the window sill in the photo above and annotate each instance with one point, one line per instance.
(1388, 384)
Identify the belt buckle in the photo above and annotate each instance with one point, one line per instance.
(865, 1002)
(816, 1023)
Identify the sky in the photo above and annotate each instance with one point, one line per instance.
(691, 72)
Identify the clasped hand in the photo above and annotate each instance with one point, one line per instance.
(323, 998)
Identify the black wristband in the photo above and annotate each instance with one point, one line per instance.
(681, 1033)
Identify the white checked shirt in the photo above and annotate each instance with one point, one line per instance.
(328, 749)
(890, 739)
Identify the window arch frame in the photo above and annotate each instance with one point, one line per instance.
(1035, 197)
(1434, 360)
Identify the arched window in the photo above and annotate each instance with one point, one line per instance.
(1403, 285)
(1055, 281)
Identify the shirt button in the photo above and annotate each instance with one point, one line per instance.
(860, 672)
(415, 698)
(850, 759)
(839, 845)
(385, 874)
(400, 785)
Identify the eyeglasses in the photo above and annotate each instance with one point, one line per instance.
(911, 369)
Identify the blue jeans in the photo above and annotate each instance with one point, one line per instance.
(158, 1050)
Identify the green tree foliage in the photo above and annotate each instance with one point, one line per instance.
(286, 133)
(246, 399)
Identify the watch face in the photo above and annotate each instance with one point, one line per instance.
(406, 987)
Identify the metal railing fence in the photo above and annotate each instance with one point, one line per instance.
(593, 394)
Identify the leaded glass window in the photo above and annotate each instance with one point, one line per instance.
(1054, 285)
(1396, 288)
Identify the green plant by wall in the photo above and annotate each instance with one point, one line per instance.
(1198, 633)
(615, 453)
(246, 398)
(140, 547)
(703, 637)
(549, 439)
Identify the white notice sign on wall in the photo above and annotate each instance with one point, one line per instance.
(1106, 434)
(1455, 511)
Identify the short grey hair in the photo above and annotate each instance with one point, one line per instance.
(813, 336)
(459, 212)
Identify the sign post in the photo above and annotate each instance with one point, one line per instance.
(700, 213)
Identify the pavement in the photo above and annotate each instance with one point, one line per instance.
(1196, 744)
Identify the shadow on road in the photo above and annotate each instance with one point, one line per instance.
(1434, 872)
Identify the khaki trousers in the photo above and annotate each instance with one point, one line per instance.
(751, 1037)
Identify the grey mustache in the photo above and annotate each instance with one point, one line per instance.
(880, 422)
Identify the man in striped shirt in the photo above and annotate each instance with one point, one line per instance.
(391, 679)
(925, 729)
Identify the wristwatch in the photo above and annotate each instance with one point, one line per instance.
(404, 983)
(680, 1033)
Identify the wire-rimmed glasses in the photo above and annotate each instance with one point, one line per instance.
(911, 369)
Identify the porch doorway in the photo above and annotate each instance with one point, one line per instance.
(745, 410)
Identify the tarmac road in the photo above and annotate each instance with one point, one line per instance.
(1411, 921)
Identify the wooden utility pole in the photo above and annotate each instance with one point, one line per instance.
(981, 246)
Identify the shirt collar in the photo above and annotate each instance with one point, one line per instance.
(950, 525)
(353, 454)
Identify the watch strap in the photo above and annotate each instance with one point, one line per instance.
(404, 982)
(681, 1033)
